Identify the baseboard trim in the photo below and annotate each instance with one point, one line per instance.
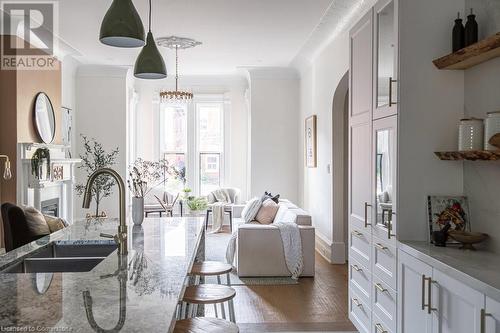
(338, 253)
(323, 247)
(333, 252)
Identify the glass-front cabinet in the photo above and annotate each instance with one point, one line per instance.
(385, 92)
(384, 180)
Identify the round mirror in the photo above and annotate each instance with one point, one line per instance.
(45, 120)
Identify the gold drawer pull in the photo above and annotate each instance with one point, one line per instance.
(357, 303)
(380, 329)
(391, 81)
(483, 320)
(357, 233)
(366, 214)
(380, 246)
(356, 268)
(380, 287)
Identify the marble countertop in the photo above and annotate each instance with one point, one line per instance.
(138, 292)
(478, 269)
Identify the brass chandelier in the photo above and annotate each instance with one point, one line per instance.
(174, 42)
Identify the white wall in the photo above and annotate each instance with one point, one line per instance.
(274, 104)
(101, 113)
(482, 179)
(318, 84)
(431, 105)
(231, 88)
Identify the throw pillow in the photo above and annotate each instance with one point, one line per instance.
(36, 222)
(54, 223)
(269, 195)
(251, 209)
(267, 212)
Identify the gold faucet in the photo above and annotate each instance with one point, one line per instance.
(121, 237)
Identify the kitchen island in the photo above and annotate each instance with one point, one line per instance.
(137, 292)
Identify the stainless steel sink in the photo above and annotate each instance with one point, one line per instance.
(64, 257)
(53, 265)
(62, 249)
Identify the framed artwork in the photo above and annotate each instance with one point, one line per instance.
(443, 210)
(310, 133)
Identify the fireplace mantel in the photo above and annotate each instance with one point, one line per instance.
(59, 185)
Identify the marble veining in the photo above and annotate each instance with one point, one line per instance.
(477, 269)
(137, 292)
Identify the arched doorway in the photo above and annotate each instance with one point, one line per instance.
(339, 170)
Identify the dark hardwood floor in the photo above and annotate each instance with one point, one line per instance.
(315, 304)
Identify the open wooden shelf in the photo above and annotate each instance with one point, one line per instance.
(469, 155)
(471, 55)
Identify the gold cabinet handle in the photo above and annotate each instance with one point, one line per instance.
(484, 314)
(357, 303)
(356, 268)
(391, 81)
(380, 287)
(366, 214)
(389, 225)
(380, 328)
(430, 281)
(423, 291)
(357, 233)
(380, 246)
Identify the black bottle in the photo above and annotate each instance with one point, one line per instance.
(471, 30)
(458, 35)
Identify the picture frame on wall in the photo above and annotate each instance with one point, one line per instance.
(310, 142)
(443, 210)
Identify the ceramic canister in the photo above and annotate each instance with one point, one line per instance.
(470, 134)
(491, 127)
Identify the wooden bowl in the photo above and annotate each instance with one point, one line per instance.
(495, 140)
(467, 238)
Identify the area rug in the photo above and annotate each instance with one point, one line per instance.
(215, 250)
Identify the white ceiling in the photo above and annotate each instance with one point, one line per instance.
(235, 33)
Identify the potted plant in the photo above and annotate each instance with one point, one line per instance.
(40, 156)
(143, 177)
(95, 158)
(196, 204)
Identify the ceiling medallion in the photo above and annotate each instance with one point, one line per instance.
(176, 43)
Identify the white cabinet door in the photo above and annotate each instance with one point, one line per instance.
(360, 176)
(360, 73)
(384, 159)
(457, 307)
(413, 316)
(360, 105)
(385, 58)
(491, 316)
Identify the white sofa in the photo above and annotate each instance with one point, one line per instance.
(259, 250)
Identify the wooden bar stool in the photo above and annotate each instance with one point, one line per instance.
(212, 268)
(210, 325)
(209, 294)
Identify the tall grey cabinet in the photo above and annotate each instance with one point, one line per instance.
(373, 170)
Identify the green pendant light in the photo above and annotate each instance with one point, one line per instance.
(149, 63)
(122, 26)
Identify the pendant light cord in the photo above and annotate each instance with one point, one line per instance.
(149, 15)
(176, 68)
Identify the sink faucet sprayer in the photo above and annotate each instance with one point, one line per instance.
(121, 237)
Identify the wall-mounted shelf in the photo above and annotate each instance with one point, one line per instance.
(471, 55)
(469, 155)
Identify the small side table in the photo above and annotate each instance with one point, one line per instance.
(227, 210)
